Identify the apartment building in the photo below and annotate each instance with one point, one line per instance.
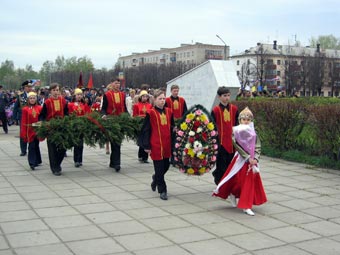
(188, 54)
(295, 69)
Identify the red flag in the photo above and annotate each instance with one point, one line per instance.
(90, 82)
(80, 81)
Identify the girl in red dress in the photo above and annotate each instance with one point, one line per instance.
(79, 108)
(30, 115)
(139, 110)
(242, 179)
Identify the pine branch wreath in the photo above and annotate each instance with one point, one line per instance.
(71, 130)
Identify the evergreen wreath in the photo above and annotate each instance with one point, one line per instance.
(196, 142)
(91, 128)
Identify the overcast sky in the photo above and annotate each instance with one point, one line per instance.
(33, 31)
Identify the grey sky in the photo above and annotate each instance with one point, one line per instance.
(32, 32)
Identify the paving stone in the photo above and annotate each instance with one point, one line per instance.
(13, 206)
(39, 195)
(282, 250)
(32, 239)
(324, 228)
(79, 233)
(168, 250)
(3, 243)
(17, 215)
(93, 208)
(322, 246)
(67, 221)
(23, 226)
(254, 241)
(44, 203)
(214, 246)
(10, 198)
(203, 218)
(291, 234)
(56, 211)
(52, 249)
(142, 241)
(106, 217)
(82, 200)
(227, 228)
(99, 246)
(167, 222)
(6, 252)
(144, 213)
(186, 235)
(295, 217)
(124, 228)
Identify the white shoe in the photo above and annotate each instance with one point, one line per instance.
(249, 212)
(233, 200)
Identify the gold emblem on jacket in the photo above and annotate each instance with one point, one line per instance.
(163, 119)
(176, 105)
(56, 104)
(226, 115)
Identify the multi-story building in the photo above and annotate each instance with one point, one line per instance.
(295, 69)
(188, 54)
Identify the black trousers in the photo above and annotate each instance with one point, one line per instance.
(223, 160)
(4, 121)
(115, 154)
(34, 155)
(78, 152)
(55, 156)
(142, 154)
(161, 167)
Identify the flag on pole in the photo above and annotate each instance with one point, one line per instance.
(90, 82)
(80, 84)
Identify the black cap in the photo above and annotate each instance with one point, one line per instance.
(26, 83)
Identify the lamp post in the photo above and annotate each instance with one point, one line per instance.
(225, 47)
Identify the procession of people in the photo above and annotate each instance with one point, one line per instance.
(236, 173)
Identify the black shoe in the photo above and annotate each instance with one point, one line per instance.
(153, 186)
(57, 173)
(140, 160)
(77, 164)
(117, 168)
(32, 167)
(145, 161)
(163, 196)
(153, 183)
(23, 154)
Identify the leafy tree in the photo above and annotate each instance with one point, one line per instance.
(326, 42)
(7, 68)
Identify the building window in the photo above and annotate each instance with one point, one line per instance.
(192, 53)
(238, 62)
(286, 62)
(248, 61)
(278, 73)
(213, 54)
(188, 54)
(278, 62)
(238, 73)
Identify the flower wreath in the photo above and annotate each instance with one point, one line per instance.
(196, 142)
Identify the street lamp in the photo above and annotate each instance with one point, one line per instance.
(225, 47)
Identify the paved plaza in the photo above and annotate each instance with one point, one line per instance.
(93, 210)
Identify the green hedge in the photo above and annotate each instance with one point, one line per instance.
(310, 126)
